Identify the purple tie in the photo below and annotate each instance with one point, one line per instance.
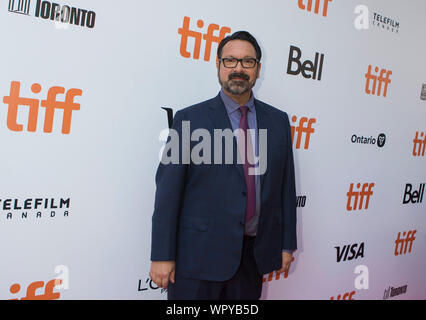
(248, 162)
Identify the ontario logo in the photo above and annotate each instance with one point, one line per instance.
(365, 140)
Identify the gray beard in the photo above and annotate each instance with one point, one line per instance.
(236, 87)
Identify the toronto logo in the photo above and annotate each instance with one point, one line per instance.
(20, 6)
(51, 11)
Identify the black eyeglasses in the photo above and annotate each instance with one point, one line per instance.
(247, 63)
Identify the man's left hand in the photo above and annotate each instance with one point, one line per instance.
(286, 260)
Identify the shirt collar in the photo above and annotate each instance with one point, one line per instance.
(232, 106)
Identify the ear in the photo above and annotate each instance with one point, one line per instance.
(259, 66)
(217, 63)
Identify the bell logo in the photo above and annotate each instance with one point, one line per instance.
(381, 79)
(14, 100)
(307, 5)
(309, 69)
(304, 127)
(209, 38)
(415, 196)
(402, 243)
(419, 144)
(366, 192)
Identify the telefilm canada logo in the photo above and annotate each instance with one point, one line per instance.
(385, 23)
(55, 12)
(376, 20)
(34, 208)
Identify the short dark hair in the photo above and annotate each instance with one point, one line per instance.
(240, 35)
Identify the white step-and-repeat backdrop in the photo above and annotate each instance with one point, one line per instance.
(83, 85)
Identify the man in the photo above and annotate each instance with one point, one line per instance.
(217, 228)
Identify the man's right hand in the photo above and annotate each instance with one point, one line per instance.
(161, 272)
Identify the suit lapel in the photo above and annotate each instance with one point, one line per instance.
(262, 119)
(220, 120)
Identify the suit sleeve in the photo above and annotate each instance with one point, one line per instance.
(289, 241)
(170, 184)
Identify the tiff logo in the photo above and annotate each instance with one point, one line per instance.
(369, 76)
(366, 192)
(346, 296)
(41, 290)
(20, 6)
(14, 100)
(208, 37)
(304, 127)
(402, 243)
(419, 144)
(302, 5)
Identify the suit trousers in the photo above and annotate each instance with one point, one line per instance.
(246, 284)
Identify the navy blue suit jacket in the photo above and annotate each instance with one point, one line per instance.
(199, 210)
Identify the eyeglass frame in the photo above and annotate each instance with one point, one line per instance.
(241, 62)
